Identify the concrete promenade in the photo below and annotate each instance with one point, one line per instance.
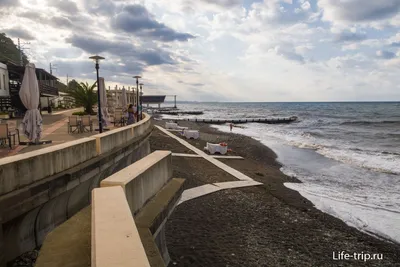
(55, 128)
(41, 189)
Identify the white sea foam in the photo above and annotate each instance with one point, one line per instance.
(370, 219)
(369, 160)
(340, 151)
(354, 188)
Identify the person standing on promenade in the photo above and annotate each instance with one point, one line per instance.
(135, 112)
(231, 126)
(131, 115)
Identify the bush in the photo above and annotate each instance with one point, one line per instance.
(80, 113)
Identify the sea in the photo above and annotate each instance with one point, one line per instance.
(347, 155)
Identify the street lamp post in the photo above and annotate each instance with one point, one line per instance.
(137, 77)
(97, 60)
(141, 102)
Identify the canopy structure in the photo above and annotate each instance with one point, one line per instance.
(29, 93)
(153, 99)
(103, 101)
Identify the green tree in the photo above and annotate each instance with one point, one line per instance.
(61, 87)
(9, 51)
(72, 84)
(84, 95)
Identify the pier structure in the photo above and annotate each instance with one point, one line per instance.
(241, 121)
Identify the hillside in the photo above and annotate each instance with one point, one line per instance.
(9, 51)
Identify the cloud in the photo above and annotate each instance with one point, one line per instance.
(84, 69)
(224, 3)
(66, 6)
(61, 22)
(192, 84)
(395, 44)
(272, 12)
(96, 45)
(350, 37)
(289, 53)
(358, 10)
(136, 19)
(154, 57)
(123, 49)
(19, 32)
(306, 5)
(9, 3)
(385, 54)
(31, 15)
(100, 7)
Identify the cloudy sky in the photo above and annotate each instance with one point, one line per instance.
(220, 50)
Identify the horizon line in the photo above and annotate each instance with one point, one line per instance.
(340, 101)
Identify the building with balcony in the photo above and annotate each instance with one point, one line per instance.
(47, 86)
(5, 99)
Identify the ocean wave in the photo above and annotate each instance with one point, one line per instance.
(375, 220)
(379, 161)
(386, 163)
(312, 134)
(368, 158)
(361, 123)
(389, 153)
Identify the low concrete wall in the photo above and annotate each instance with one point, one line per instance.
(143, 179)
(24, 169)
(153, 217)
(118, 238)
(32, 210)
(109, 140)
(115, 238)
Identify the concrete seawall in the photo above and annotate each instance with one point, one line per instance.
(42, 189)
(126, 224)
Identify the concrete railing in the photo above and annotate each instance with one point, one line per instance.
(21, 170)
(24, 169)
(143, 179)
(39, 190)
(115, 238)
(145, 188)
(107, 141)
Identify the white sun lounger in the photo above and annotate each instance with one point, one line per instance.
(191, 134)
(213, 148)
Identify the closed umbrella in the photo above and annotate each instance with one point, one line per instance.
(117, 102)
(103, 100)
(124, 100)
(29, 93)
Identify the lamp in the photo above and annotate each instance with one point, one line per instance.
(137, 77)
(141, 103)
(97, 59)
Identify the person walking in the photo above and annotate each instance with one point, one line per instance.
(131, 115)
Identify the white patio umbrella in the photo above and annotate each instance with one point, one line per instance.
(117, 102)
(29, 93)
(103, 101)
(124, 99)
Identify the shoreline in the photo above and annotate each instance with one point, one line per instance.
(261, 164)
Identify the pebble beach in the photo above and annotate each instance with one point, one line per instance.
(267, 225)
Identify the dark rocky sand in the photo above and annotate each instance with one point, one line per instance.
(267, 225)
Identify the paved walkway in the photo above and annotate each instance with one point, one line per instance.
(54, 129)
(199, 191)
(198, 156)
